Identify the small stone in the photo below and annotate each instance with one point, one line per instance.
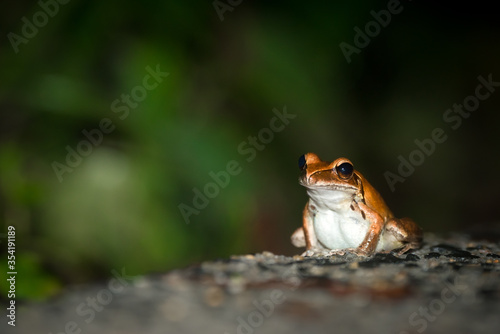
(401, 277)
(213, 296)
(353, 265)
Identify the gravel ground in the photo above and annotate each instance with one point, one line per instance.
(451, 285)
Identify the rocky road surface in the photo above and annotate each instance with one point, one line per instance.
(451, 285)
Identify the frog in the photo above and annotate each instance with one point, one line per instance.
(345, 213)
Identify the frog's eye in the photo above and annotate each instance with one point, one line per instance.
(302, 161)
(345, 170)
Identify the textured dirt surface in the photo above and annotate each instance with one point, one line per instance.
(451, 285)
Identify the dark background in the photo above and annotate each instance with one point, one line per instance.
(119, 207)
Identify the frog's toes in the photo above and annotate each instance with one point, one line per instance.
(309, 253)
(315, 252)
(337, 252)
(357, 251)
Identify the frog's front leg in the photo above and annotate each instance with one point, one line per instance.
(308, 227)
(313, 246)
(370, 242)
(305, 236)
(406, 231)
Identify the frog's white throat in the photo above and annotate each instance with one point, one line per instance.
(328, 199)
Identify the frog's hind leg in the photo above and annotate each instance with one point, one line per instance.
(406, 231)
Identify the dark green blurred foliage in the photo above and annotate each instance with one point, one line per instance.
(119, 207)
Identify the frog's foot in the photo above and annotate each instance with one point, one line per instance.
(357, 251)
(342, 252)
(315, 252)
(319, 252)
(406, 248)
(337, 252)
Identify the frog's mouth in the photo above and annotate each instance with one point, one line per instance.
(330, 187)
(323, 180)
